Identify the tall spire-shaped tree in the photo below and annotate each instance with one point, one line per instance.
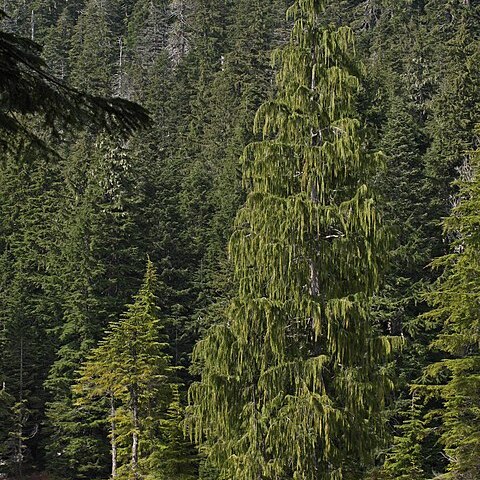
(290, 384)
(131, 368)
(455, 310)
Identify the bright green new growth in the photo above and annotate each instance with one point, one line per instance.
(291, 382)
(456, 310)
(131, 369)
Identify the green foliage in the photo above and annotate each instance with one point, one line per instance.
(233, 95)
(455, 308)
(97, 269)
(406, 460)
(423, 105)
(27, 88)
(130, 367)
(6, 422)
(75, 225)
(28, 304)
(93, 73)
(174, 458)
(291, 376)
(455, 108)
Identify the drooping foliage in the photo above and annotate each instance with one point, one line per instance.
(75, 227)
(291, 385)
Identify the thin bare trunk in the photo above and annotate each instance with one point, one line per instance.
(113, 439)
(316, 139)
(19, 446)
(120, 66)
(32, 25)
(135, 432)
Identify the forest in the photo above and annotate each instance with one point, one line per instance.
(240, 239)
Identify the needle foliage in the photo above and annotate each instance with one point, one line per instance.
(291, 386)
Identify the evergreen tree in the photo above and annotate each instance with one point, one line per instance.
(73, 229)
(7, 420)
(400, 93)
(145, 45)
(209, 34)
(28, 304)
(290, 385)
(406, 460)
(237, 90)
(93, 72)
(28, 88)
(131, 369)
(57, 44)
(98, 269)
(455, 107)
(441, 37)
(455, 307)
(179, 35)
(174, 458)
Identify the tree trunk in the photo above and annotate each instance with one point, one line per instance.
(113, 440)
(135, 432)
(316, 140)
(19, 446)
(32, 26)
(120, 67)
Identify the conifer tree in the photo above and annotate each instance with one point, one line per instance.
(28, 304)
(179, 41)
(406, 459)
(92, 54)
(98, 269)
(57, 44)
(455, 308)
(243, 82)
(455, 107)
(6, 422)
(132, 371)
(173, 458)
(28, 89)
(206, 58)
(291, 385)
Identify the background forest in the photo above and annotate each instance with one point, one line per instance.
(109, 240)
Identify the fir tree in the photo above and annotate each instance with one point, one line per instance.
(173, 458)
(28, 88)
(57, 44)
(290, 381)
(7, 402)
(93, 72)
(455, 107)
(132, 371)
(455, 307)
(146, 43)
(406, 459)
(98, 269)
(239, 88)
(29, 305)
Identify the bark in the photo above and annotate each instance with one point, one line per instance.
(113, 440)
(135, 432)
(316, 140)
(19, 433)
